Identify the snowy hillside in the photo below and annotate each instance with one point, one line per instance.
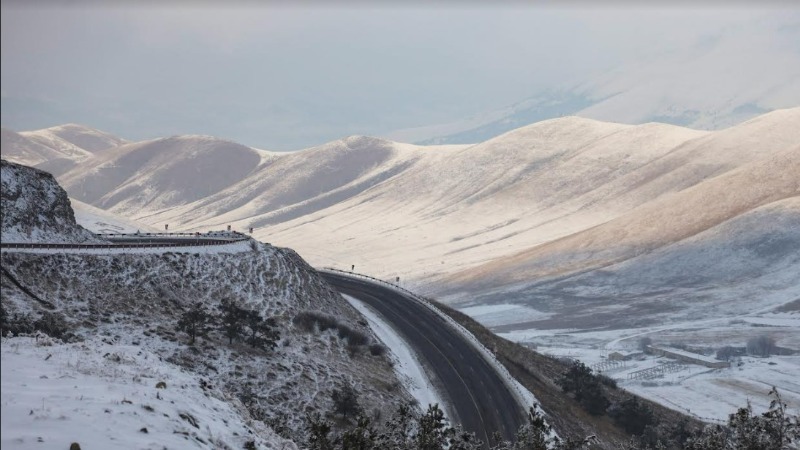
(23, 150)
(102, 395)
(427, 212)
(36, 209)
(145, 177)
(667, 220)
(137, 299)
(294, 185)
(461, 207)
(83, 137)
(97, 220)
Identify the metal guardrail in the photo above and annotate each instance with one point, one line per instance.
(191, 240)
(197, 243)
(232, 234)
(511, 382)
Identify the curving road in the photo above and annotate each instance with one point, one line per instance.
(478, 394)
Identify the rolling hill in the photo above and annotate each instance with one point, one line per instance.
(24, 150)
(141, 178)
(80, 136)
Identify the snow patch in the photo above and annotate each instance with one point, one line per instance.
(106, 396)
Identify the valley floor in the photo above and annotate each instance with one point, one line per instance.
(707, 393)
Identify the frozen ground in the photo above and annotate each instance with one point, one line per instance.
(710, 394)
(499, 314)
(105, 396)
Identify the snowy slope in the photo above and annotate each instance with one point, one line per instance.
(101, 395)
(73, 135)
(134, 301)
(23, 150)
(661, 222)
(142, 178)
(297, 184)
(36, 209)
(457, 208)
(744, 264)
(97, 220)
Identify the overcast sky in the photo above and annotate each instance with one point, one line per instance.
(280, 77)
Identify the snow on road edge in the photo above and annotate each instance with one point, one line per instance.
(407, 366)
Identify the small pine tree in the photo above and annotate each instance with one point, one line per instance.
(262, 333)
(399, 428)
(361, 437)
(634, 416)
(432, 430)
(580, 381)
(232, 320)
(345, 401)
(318, 430)
(534, 434)
(195, 322)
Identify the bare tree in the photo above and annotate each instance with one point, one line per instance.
(762, 345)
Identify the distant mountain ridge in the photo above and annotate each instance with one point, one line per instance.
(83, 137)
(159, 174)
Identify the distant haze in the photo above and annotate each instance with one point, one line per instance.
(282, 78)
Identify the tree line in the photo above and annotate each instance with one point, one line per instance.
(411, 429)
(233, 321)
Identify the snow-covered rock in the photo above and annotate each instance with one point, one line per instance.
(36, 208)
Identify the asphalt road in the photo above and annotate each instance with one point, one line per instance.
(478, 394)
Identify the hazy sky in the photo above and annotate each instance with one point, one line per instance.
(280, 77)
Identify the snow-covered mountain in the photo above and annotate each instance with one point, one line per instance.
(428, 212)
(737, 234)
(56, 149)
(141, 178)
(295, 185)
(569, 223)
(21, 149)
(86, 138)
(457, 208)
